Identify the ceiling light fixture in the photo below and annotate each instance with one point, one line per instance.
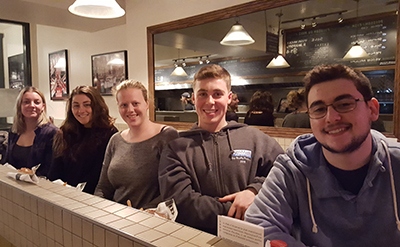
(101, 9)
(237, 36)
(201, 60)
(279, 61)
(356, 51)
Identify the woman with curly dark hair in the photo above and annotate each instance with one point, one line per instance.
(261, 109)
(80, 144)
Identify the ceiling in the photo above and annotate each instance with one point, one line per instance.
(204, 39)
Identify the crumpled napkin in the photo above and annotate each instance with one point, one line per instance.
(79, 186)
(165, 209)
(30, 178)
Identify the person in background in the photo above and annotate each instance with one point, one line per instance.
(217, 167)
(30, 139)
(261, 109)
(339, 186)
(187, 103)
(232, 109)
(299, 118)
(130, 167)
(81, 142)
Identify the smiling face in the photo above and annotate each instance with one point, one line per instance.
(32, 105)
(82, 109)
(342, 132)
(211, 98)
(132, 106)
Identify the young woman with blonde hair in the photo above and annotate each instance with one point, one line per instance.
(31, 136)
(130, 168)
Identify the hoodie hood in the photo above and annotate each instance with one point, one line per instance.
(302, 152)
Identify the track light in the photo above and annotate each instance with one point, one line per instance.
(303, 25)
(314, 22)
(340, 18)
(201, 60)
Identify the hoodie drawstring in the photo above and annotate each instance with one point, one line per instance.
(230, 144)
(392, 185)
(208, 164)
(314, 228)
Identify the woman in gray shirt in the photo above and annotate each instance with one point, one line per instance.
(130, 167)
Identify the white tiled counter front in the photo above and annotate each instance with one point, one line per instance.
(47, 215)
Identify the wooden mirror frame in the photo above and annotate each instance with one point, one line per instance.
(243, 9)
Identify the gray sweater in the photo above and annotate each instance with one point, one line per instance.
(130, 170)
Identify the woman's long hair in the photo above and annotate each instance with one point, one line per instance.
(70, 127)
(296, 99)
(19, 124)
(261, 101)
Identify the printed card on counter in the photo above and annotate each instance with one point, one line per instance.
(241, 232)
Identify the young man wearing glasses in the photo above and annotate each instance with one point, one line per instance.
(339, 186)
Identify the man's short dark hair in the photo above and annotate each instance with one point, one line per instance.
(323, 73)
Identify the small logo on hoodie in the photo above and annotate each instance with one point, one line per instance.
(241, 154)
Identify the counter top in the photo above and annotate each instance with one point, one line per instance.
(49, 214)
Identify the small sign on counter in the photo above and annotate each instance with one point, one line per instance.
(241, 232)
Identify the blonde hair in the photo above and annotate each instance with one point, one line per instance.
(131, 84)
(19, 125)
(296, 98)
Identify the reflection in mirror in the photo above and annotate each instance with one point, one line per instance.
(312, 32)
(15, 71)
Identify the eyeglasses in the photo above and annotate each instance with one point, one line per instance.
(342, 106)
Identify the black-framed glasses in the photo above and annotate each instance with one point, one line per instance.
(342, 106)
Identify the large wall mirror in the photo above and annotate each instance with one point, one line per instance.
(15, 65)
(310, 33)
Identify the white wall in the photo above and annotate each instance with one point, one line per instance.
(132, 37)
(81, 46)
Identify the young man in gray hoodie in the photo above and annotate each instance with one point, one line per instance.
(339, 186)
(216, 168)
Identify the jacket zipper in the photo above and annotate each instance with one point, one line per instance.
(218, 165)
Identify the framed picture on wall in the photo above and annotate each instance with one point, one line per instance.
(58, 71)
(109, 70)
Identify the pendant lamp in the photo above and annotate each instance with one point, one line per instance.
(179, 71)
(101, 9)
(279, 61)
(356, 51)
(237, 36)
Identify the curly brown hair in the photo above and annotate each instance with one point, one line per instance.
(71, 126)
(261, 101)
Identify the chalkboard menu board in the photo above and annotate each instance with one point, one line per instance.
(307, 48)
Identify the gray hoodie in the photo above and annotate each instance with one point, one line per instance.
(302, 203)
(199, 167)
